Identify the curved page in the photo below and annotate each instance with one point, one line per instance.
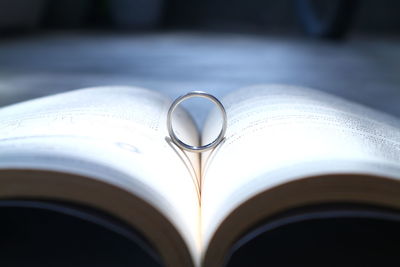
(280, 134)
(113, 136)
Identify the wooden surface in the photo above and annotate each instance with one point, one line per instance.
(363, 69)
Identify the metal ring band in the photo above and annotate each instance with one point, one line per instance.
(185, 146)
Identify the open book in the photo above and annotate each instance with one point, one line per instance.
(285, 147)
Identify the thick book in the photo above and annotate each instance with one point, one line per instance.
(285, 148)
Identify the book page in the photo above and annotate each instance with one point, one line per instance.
(114, 134)
(276, 134)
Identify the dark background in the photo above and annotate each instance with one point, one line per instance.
(235, 15)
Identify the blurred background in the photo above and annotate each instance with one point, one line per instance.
(348, 48)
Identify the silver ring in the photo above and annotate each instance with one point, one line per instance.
(185, 146)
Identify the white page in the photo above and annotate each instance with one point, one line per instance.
(114, 134)
(290, 133)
